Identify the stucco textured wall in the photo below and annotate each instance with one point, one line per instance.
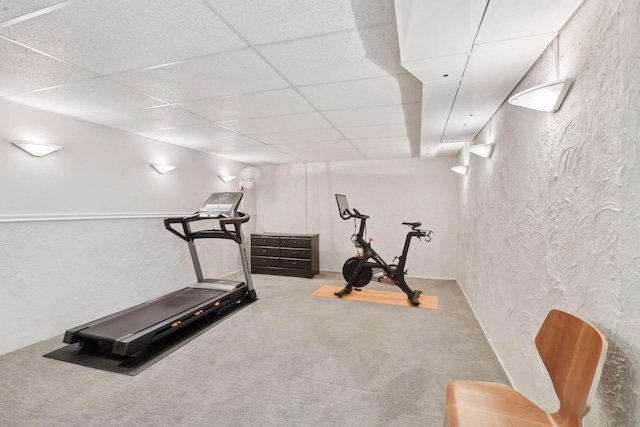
(553, 218)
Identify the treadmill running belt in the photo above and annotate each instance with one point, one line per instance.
(153, 312)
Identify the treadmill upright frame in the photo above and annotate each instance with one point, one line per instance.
(214, 296)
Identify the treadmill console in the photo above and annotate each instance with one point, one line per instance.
(221, 205)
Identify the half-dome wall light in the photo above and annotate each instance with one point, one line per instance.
(547, 97)
(482, 150)
(462, 170)
(162, 168)
(37, 149)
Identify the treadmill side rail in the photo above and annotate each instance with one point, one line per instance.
(219, 284)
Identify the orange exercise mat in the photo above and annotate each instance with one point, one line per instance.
(378, 297)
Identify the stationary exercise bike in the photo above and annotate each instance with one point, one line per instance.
(358, 271)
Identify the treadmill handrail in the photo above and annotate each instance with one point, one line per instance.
(188, 235)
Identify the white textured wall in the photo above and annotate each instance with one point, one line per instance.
(553, 218)
(300, 199)
(55, 275)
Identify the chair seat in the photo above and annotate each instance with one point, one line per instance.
(484, 404)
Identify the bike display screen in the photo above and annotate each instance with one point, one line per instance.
(343, 206)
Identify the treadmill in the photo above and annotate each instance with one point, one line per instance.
(129, 332)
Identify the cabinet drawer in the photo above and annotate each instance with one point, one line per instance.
(265, 251)
(265, 241)
(299, 264)
(260, 261)
(295, 253)
(295, 242)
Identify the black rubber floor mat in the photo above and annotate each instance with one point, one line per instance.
(102, 358)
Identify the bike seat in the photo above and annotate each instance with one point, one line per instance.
(413, 225)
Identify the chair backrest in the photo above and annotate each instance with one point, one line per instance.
(573, 352)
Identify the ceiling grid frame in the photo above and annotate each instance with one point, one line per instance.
(391, 87)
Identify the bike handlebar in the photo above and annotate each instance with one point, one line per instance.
(426, 234)
(358, 215)
(346, 213)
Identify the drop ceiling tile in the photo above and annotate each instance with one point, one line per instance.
(276, 20)
(93, 97)
(228, 73)
(14, 9)
(221, 147)
(312, 135)
(117, 35)
(164, 116)
(493, 71)
(257, 155)
(510, 19)
(390, 152)
(428, 29)
(23, 70)
(390, 114)
(390, 90)
(435, 69)
(200, 134)
(230, 145)
(370, 52)
(324, 156)
(437, 100)
(233, 144)
(374, 131)
(330, 146)
(194, 145)
(380, 142)
(260, 104)
(450, 148)
(294, 122)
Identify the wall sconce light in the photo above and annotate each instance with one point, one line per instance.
(37, 149)
(482, 150)
(547, 97)
(462, 170)
(226, 178)
(162, 168)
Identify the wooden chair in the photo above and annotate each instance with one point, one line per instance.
(573, 352)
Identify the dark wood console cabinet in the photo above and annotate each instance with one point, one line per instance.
(285, 254)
